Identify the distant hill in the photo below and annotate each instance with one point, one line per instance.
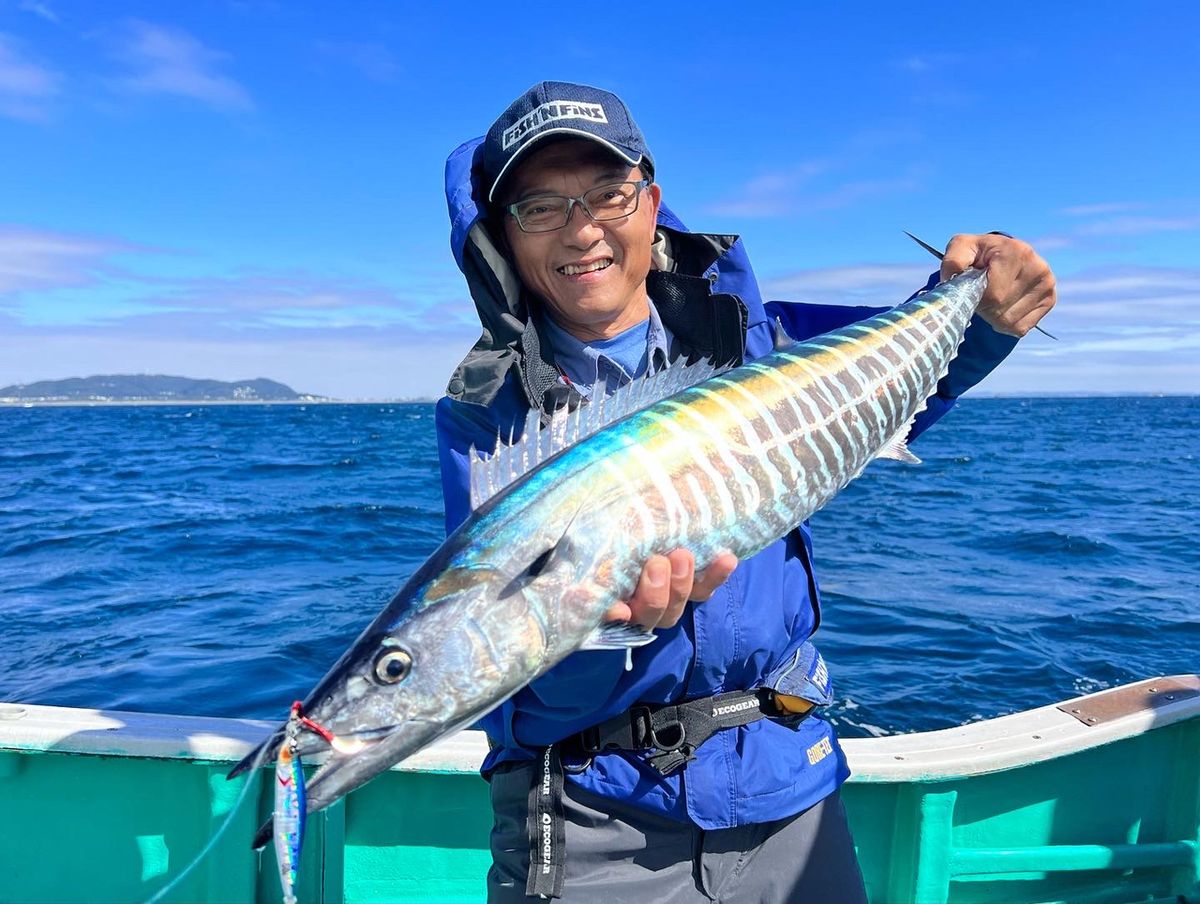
(151, 388)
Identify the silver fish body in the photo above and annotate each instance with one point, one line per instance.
(731, 463)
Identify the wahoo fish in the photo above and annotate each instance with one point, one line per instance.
(693, 457)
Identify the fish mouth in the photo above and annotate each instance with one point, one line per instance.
(355, 758)
(347, 744)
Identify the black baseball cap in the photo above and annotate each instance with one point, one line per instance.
(561, 109)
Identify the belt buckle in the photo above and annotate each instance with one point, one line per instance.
(641, 727)
(668, 744)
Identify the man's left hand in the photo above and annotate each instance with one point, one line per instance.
(1021, 287)
(666, 586)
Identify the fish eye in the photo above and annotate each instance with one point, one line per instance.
(392, 666)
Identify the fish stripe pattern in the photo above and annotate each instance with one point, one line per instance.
(695, 457)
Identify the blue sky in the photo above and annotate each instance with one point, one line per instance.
(241, 189)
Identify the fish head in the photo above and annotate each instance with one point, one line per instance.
(476, 623)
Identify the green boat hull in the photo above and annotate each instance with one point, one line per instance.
(1093, 800)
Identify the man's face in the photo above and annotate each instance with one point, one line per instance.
(591, 274)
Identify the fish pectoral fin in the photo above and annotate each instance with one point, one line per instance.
(618, 636)
(896, 448)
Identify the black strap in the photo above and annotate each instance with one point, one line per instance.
(547, 829)
(675, 730)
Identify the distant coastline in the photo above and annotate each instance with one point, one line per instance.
(152, 389)
(430, 400)
(145, 390)
(195, 403)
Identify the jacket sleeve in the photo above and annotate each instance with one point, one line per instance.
(982, 350)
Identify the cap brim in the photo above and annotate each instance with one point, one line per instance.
(624, 153)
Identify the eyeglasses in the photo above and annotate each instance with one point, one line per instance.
(614, 201)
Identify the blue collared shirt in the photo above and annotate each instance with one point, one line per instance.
(642, 348)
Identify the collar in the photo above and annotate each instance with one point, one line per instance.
(609, 363)
(699, 323)
(510, 348)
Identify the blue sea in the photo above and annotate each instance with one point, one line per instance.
(215, 560)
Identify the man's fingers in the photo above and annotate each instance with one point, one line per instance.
(961, 254)
(619, 612)
(1021, 287)
(667, 584)
(683, 572)
(650, 600)
(716, 574)
(1003, 275)
(663, 591)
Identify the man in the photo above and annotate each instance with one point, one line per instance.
(584, 280)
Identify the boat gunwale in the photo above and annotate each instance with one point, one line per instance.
(992, 745)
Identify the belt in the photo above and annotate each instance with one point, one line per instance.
(674, 730)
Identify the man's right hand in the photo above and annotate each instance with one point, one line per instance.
(666, 585)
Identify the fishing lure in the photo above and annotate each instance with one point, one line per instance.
(289, 806)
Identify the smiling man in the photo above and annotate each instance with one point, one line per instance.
(590, 270)
(701, 772)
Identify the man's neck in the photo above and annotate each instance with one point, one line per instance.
(635, 313)
(604, 364)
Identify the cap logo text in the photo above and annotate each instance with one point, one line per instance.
(549, 112)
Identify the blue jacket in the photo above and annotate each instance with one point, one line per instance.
(755, 629)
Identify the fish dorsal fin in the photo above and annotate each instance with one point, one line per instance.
(544, 437)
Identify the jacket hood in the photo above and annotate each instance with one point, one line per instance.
(501, 303)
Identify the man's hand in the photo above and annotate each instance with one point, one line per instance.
(666, 585)
(1021, 288)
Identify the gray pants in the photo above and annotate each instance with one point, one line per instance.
(617, 854)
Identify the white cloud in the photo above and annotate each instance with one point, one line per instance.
(79, 299)
(371, 59)
(1140, 225)
(26, 88)
(1133, 283)
(32, 259)
(394, 365)
(1091, 210)
(1127, 329)
(879, 285)
(1143, 320)
(800, 189)
(1103, 224)
(928, 62)
(1044, 243)
(266, 292)
(1028, 372)
(251, 303)
(169, 61)
(1160, 341)
(768, 194)
(42, 10)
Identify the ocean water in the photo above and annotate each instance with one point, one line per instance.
(216, 560)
